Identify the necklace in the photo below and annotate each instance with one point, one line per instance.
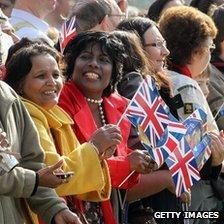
(99, 102)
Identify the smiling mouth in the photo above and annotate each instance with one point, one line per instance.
(92, 75)
(50, 92)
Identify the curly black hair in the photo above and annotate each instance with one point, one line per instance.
(109, 44)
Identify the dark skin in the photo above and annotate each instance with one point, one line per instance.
(96, 115)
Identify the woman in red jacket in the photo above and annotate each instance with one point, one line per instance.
(94, 67)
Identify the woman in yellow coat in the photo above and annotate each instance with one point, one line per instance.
(34, 74)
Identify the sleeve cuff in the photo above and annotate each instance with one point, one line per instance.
(36, 184)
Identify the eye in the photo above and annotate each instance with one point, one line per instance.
(40, 76)
(85, 56)
(105, 59)
(56, 75)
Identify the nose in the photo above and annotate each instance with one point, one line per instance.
(165, 50)
(94, 63)
(51, 81)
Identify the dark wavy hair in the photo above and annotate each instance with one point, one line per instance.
(20, 63)
(109, 44)
(185, 29)
(156, 8)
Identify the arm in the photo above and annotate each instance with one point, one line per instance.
(98, 185)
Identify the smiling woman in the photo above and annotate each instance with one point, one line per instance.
(34, 73)
(94, 68)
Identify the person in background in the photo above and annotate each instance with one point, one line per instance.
(150, 184)
(27, 18)
(23, 186)
(216, 96)
(95, 15)
(206, 6)
(61, 12)
(156, 52)
(189, 34)
(159, 6)
(101, 15)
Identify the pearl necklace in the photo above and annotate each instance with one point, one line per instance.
(99, 102)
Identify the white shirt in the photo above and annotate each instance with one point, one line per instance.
(28, 25)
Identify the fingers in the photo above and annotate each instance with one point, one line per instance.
(186, 197)
(3, 140)
(55, 167)
(109, 152)
(140, 161)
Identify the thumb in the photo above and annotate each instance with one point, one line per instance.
(54, 167)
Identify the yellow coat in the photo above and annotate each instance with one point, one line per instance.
(91, 180)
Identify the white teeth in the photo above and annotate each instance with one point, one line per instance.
(49, 92)
(92, 75)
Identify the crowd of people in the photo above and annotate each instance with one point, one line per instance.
(68, 70)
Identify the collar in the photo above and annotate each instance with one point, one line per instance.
(55, 117)
(182, 70)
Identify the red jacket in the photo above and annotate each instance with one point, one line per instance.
(74, 103)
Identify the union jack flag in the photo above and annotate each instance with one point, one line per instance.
(146, 110)
(67, 32)
(202, 151)
(174, 132)
(183, 167)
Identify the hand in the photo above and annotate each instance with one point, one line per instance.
(106, 137)
(217, 148)
(186, 197)
(108, 152)
(3, 140)
(47, 177)
(141, 162)
(66, 217)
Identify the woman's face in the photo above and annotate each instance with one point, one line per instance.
(203, 82)
(201, 58)
(43, 83)
(155, 46)
(92, 71)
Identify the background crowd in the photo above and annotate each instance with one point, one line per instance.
(68, 71)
